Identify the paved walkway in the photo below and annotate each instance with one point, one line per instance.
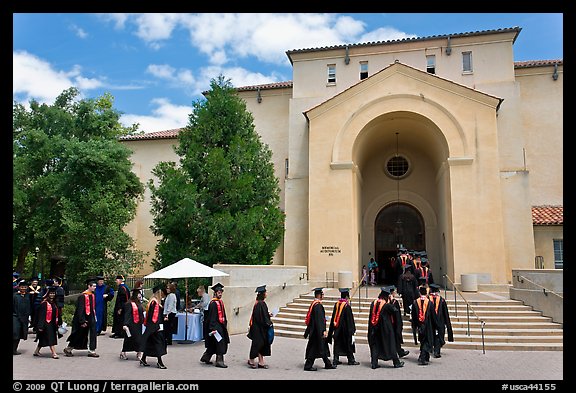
(286, 363)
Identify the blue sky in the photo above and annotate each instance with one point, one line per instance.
(156, 65)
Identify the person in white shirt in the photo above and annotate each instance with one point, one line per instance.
(203, 305)
(170, 319)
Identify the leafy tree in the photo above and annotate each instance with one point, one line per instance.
(73, 187)
(221, 203)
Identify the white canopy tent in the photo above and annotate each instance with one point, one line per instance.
(186, 268)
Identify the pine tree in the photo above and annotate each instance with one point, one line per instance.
(221, 204)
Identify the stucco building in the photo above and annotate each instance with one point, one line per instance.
(442, 143)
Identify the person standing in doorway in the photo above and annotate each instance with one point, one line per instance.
(373, 270)
(259, 326)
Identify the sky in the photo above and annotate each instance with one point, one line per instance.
(156, 65)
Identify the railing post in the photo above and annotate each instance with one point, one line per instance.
(468, 318)
(455, 304)
(482, 328)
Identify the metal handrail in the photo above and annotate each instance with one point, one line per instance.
(544, 289)
(356, 290)
(468, 309)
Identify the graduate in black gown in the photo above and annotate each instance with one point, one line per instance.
(408, 288)
(48, 318)
(317, 346)
(217, 325)
(381, 334)
(20, 314)
(83, 335)
(398, 323)
(423, 326)
(133, 321)
(153, 342)
(442, 324)
(260, 323)
(342, 329)
(122, 297)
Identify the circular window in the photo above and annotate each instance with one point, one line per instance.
(397, 167)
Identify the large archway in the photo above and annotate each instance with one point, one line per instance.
(396, 225)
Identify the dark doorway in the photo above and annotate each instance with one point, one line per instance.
(395, 226)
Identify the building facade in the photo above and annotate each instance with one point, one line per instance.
(441, 144)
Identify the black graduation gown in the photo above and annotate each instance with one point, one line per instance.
(408, 289)
(122, 297)
(423, 331)
(20, 314)
(381, 336)
(47, 331)
(212, 345)
(258, 332)
(442, 322)
(153, 342)
(342, 334)
(134, 323)
(398, 324)
(317, 346)
(78, 338)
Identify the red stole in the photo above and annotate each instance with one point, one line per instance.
(339, 308)
(220, 308)
(87, 296)
(155, 312)
(49, 309)
(422, 309)
(378, 304)
(307, 319)
(135, 314)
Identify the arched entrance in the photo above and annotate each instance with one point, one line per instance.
(396, 225)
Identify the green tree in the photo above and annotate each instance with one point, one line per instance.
(73, 186)
(220, 204)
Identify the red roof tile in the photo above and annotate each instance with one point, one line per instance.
(548, 215)
(167, 134)
(537, 63)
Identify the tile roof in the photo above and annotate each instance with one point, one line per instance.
(537, 63)
(266, 86)
(548, 215)
(433, 37)
(166, 134)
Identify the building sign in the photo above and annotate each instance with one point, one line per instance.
(330, 250)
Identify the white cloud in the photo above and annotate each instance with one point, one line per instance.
(34, 78)
(165, 116)
(223, 37)
(80, 32)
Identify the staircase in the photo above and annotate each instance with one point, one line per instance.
(509, 324)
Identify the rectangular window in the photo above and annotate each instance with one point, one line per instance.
(363, 70)
(466, 61)
(286, 167)
(331, 73)
(431, 64)
(559, 253)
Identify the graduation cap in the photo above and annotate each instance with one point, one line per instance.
(35, 278)
(23, 283)
(385, 291)
(90, 281)
(49, 282)
(218, 287)
(120, 277)
(422, 280)
(434, 288)
(261, 289)
(99, 277)
(318, 291)
(344, 292)
(424, 261)
(57, 280)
